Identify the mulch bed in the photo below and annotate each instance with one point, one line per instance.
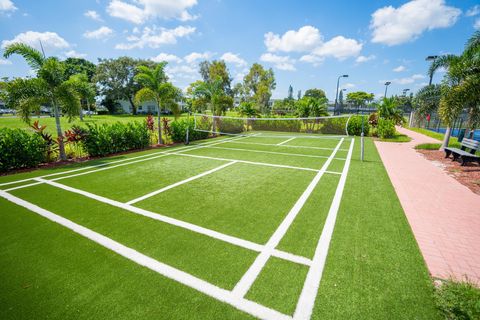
(468, 175)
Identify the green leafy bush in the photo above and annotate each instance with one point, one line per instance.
(105, 139)
(458, 300)
(179, 131)
(19, 149)
(355, 126)
(337, 126)
(231, 125)
(276, 125)
(386, 128)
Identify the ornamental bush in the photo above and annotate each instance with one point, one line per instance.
(337, 126)
(20, 149)
(106, 139)
(386, 128)
(178, 131)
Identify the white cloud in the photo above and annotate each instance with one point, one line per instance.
(7, 5)
(399, 69)
(154, 37)
(93, 15)
(347, 86)
(233, 58)
(393, 26)
(50, 40)
(143, 10)
(310, 58)
(166, 57)
(195, 56)
(280, 62)
(305, 39)
(362, 59)
(100, 33)
(5, 62)
(182, 71)
(74, 54)
(340, 48)
(473, 11)
(406, 80)
(476, 25)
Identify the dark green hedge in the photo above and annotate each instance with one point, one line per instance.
(179, 131)
(20, 149)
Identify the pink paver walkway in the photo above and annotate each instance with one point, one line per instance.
(444, 214)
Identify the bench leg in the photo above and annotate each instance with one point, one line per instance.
(463, 161)
(455, 157)
(447, 153)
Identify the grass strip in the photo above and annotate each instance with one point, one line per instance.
(374, 268)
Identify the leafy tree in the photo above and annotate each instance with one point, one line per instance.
(340, 99)
(315, 93)
(247, 109)
(311, 107)
(290, 92)
(460, 89)
(78, 66)
(155, 87)
(259, 84)
(389, 110)
(359, 98)
(26, 95)
(116, 78)
(85, 89)
(217, 69)
(427, 99)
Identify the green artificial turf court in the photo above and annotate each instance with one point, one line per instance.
(265, 226)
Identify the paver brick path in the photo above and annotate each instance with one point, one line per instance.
(444, 214)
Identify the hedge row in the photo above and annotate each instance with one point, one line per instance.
(20, 149)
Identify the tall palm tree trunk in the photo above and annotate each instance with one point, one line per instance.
(61, 146)
(446, 138)
(159, 123)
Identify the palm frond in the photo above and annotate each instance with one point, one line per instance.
(67, 97)
(145, 95)
(33, 57)
(25, 96)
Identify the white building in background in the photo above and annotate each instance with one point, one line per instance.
(149, 107)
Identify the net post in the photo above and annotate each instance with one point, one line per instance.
(362, 151)
(187, 138)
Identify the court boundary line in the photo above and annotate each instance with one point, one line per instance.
(307, 298)
(239, 242)
(275, 152)
(288, 146)
(179, 183)
(247, 280)
(286, 141)
(165, 270)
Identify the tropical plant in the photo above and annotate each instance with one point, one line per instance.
(311, 107)
(50, 86)
(247, 109)
(157, 88)
(460, 87)
(427, 99)
(85, 89)
(389, 110)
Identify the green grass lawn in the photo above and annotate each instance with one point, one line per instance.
(17, 122)
(397, 138)
(374, 269)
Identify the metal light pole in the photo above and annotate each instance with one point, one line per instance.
(336, 95)
(431, 58)
(405, 92)
(386, 87)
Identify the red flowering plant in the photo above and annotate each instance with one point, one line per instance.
(52, 144)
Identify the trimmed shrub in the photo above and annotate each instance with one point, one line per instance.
(231, 125)
(355, 126)
(334, 126)
(386, 128)
(19, 149)
(276, 125)
(178, 131)
(337, 126)
(106, 139)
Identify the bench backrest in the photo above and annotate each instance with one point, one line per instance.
(471, 144)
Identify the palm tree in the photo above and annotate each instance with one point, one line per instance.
(86, 90)
(460, 85)
(213, 92)
(157, 89)
(50, 86)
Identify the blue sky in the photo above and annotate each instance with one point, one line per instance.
(307, 43)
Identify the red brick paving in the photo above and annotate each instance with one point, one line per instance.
(443, 213)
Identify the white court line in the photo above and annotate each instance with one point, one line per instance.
(245, 161)
(283, 142)
(287, 145)
(274, 152)
(242, 287)
(154, 156)
(310, 288)
(116, 161)
(203, 174)
(179, 223)
(170, 272)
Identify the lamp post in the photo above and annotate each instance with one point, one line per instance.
(336, 95)
(405, 92)
(431, 58)
(386, 87)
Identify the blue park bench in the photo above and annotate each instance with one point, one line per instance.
(462, 155)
